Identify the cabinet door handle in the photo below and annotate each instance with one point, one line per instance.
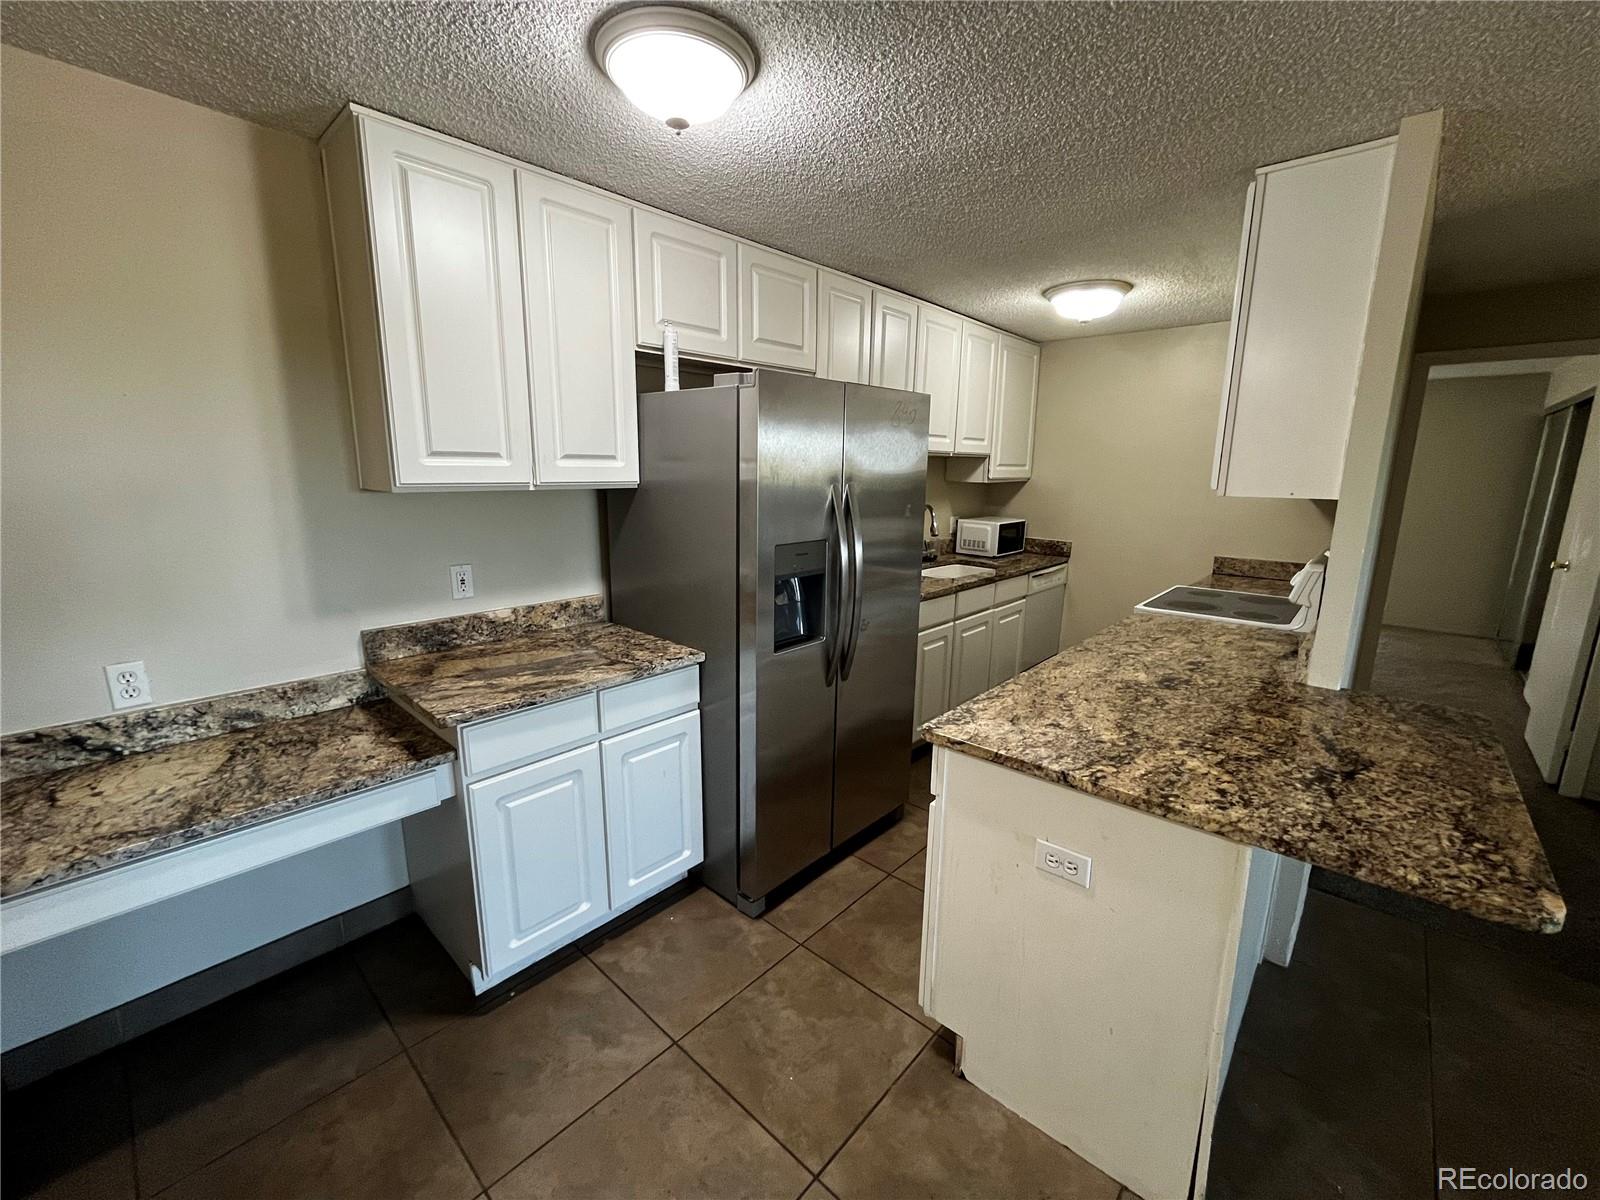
(1561, 565)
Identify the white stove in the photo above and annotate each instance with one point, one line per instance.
(1295, 613)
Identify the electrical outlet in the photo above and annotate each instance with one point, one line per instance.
(461, 581)
(129, 684)
(1062, 863)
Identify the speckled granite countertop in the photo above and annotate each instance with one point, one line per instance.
(1008, 567)
(469, 683)
(65, 823)
(1201, 723)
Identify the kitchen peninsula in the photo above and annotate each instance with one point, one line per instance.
(1178, 757)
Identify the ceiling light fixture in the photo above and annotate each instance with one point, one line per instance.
(682, 67)
(1088, 299)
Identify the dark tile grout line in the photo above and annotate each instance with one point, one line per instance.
(878, 1103)
(421, 1078)
(405, 1051)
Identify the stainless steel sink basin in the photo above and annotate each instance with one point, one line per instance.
(957, 571)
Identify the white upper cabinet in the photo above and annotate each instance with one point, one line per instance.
(980, 369)
(577, 255)
(939, 373)
(689, 276)
(894, 340)
(1016, 403)
(844, 328)
(777, 309)
(1306, 267)
(425, 244)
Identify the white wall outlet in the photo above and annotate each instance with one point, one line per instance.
(1062, 863)
(130, 686)
(461, 581)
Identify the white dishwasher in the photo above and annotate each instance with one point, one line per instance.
(1041, 615)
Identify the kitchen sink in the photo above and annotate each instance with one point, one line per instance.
(957, 571)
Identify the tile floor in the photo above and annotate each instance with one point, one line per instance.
(1403, 1037)
(703, 1054)
(697, 1053)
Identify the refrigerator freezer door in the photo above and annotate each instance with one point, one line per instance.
(791, 437)
(885, 472)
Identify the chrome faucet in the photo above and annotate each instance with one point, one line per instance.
(930, 549)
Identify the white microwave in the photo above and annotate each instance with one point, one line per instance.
(991, 537)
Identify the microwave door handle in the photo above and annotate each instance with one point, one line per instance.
(832, 622)
(857, 583)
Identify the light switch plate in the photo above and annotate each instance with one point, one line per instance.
(1062, 863)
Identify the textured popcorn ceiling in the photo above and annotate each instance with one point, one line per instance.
(972, 154)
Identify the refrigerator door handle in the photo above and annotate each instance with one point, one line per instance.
(833, 614)
(857, 582)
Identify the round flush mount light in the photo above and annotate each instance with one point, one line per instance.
(1088, 299)
(680, 66)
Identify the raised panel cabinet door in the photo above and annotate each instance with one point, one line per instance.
(1005, 649)
(939, 373)
(777, 309)
(577, 261)
(894, 340)
(539, 847)
(1016, 401)
(844, 328)
(1300, 326)
(933, 675)
(971, 650)
(688, 276)
(449, 285)
(653, 823)
(980, 365)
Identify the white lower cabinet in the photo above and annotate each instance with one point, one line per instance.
(969, 660)
(933, 675)
(539, 837)
(999, 630)
(653, 826)
(570, 813)
(1005, 653)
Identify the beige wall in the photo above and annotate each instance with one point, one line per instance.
(1122, 468)
(1562, 311)
(1469, 481)
(178, 471)
(1575, 375)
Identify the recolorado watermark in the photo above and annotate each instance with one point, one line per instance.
(1476, 1179)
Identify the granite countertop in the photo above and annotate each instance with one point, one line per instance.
(1008, 567)
(1242, 583)
(1202, 723)
(468, 683)
(65, 823)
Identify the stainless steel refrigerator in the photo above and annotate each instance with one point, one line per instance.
(777, 526)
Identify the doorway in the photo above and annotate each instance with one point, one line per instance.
(1486, 475)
